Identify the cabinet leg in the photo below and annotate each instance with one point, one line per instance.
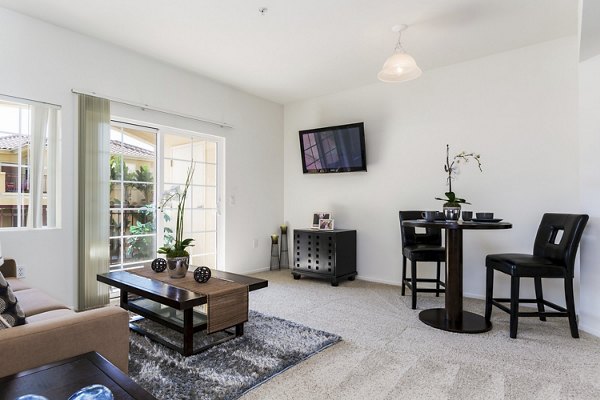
(334, 282)
(352, 277)
(296, 276)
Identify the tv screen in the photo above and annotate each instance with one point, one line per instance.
(333, 149)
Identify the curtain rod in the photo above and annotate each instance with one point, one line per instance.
(31, 101)
(147, 107)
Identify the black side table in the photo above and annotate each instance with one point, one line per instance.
(327, 255)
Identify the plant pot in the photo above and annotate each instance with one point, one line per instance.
(451, 211)
(178, 266)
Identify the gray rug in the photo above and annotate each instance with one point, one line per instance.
(269, 346)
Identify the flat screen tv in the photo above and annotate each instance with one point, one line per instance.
(333, 149)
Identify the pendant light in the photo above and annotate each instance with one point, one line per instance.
(400, 66)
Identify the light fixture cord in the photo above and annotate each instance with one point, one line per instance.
(399, 47)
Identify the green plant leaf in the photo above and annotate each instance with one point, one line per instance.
(187, 242)
(164, 250)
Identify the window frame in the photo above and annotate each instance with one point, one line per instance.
(23, 195)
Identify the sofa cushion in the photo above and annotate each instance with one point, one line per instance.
(49, 315)
(34, 301)
(17, 284)
(11, 313)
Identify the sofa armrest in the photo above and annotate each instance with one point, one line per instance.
(9, 268)
(103, 330)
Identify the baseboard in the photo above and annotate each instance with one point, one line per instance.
(589, 324)
(249, 272)
(474, 296)
(374, 280)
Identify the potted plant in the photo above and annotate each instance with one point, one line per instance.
(178, 259)
(452, 202)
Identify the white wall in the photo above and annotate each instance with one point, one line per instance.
(518, 109)
(589, 131)
(43, 62)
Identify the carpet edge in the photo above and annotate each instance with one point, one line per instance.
(267, 379)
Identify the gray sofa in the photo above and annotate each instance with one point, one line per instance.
(54, 332)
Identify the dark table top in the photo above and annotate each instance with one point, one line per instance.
(421, 223)
(170, 295)
(61, 379)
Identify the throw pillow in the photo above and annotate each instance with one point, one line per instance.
(11, 313)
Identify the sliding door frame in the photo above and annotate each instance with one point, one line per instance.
(220, 261)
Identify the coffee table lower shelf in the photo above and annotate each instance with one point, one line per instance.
(176, 320)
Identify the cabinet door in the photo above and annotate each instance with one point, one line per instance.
(326, 253)
(300, 253)
(314, 252)
(304, 251)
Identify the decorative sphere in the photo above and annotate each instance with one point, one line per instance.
(202, 274)
(159, 265)
(96, 392)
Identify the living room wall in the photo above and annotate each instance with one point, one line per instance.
(518, 109)
(589, 130)
(43, 62)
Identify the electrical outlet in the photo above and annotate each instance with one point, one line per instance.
(255, 243)
(20, 272)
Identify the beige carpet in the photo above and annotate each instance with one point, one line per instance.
(387, 353)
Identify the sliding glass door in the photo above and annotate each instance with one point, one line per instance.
(146, 162)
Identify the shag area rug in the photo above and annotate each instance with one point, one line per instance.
(268, 347)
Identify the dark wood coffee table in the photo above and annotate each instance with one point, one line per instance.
(154, 294)
(61, 379)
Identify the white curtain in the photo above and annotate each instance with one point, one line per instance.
(94, 182)
(43, 132)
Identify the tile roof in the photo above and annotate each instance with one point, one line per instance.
(129, 150)
(13, 142)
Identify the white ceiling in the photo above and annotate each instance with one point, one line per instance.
(307, 48)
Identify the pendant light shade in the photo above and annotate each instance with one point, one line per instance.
(400, 66)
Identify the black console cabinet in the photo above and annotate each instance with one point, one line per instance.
(325, 254)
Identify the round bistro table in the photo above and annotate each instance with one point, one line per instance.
(452, 318)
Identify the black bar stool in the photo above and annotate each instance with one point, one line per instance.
(423, 247)
(554, 252)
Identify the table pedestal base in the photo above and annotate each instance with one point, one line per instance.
(470, 323)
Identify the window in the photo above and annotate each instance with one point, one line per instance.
(143, 159)
(28, 170)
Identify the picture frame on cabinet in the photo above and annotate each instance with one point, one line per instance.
(326, 224)
(319, 215)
